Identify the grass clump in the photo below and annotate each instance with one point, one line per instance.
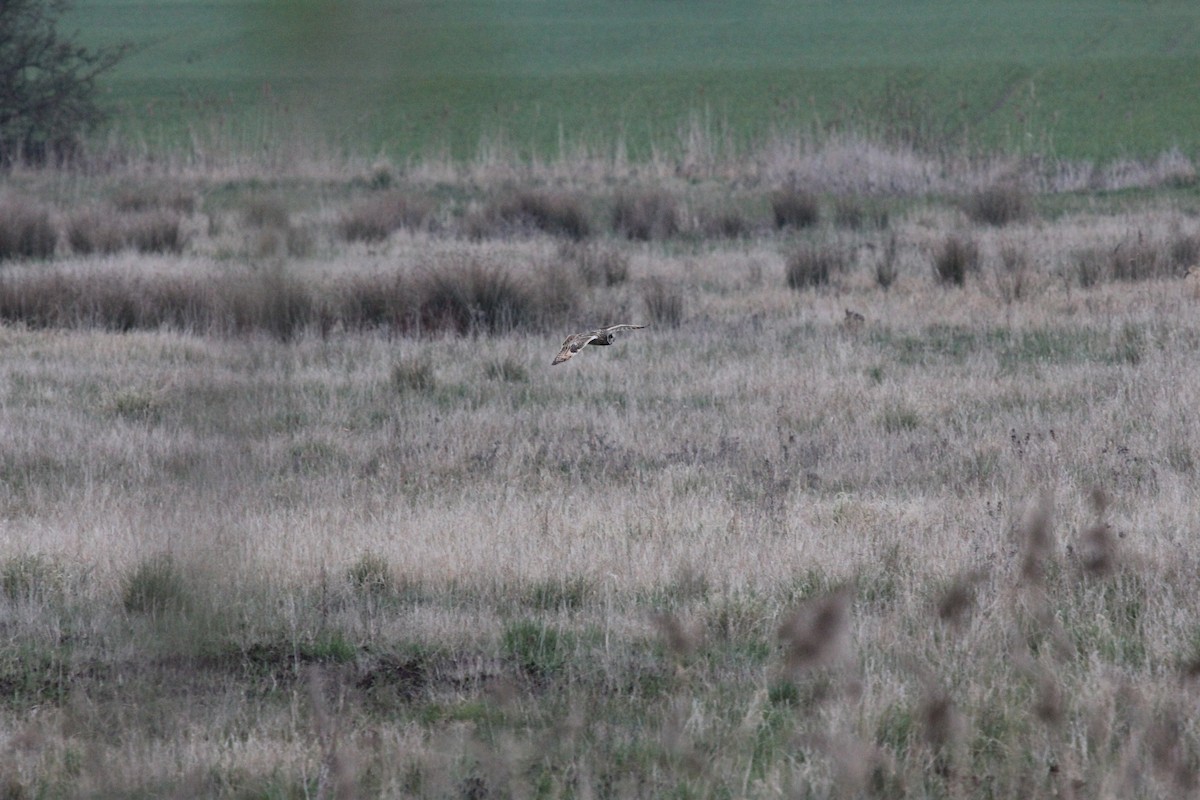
(664, 302)
(371, 576)
(795, 208)
(645, 215)
(998, 205)
(413, 375)
(954, 258)
(95, 230)
(598, 265)
(554, 213)
(26, 231)
(155, 586)
(156, 231)
(31, 577)
(378, 217)
(886, 267)
(813, 264)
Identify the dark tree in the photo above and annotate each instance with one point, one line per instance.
(47, 83)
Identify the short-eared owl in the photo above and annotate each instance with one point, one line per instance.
(577, 341)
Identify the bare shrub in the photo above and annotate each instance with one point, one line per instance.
(795, 208)
(555, 213)
(598, 264)
(887, 262)
(954, 258)
(156, 231)
(664, 302)
(998, 204)
(95, 230)
(26, 231)
(645, 215)
(377, 217)
(813, 264)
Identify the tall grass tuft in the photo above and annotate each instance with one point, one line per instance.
(999, 204)
(954, 259)
(795, 208)
(886, 268)
(157, 231)
(95, 230)
(156, 585)
(813, 264)
(379, 216)
(555, 213)
(473, 297)
(664, 303)
(645, 215)
(26, 231)
(598, 264)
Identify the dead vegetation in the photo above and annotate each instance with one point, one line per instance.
(279, 525)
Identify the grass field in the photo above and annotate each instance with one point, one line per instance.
(293, 503)
(1097, 79)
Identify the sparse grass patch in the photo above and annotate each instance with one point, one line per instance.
(507, 370)
(32, 577)
(27, 231)
(1013, 274)
(413, 374)
(540, 651)
(856, 213)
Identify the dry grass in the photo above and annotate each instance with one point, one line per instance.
(760, 555)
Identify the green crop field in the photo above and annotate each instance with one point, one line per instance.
(1092, 79)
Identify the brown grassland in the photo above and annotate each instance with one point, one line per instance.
(292, 503)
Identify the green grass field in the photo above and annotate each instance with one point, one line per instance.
(1095, 79)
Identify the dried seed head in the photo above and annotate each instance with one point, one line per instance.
(1038, 535)
(817, 632)
(955, 604)
(1098, 549)
(680, 639)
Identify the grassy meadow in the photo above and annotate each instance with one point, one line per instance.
(293, 503)
(1091, 79)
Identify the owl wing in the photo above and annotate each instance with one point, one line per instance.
(572, 345)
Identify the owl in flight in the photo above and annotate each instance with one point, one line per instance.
(577, 341)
